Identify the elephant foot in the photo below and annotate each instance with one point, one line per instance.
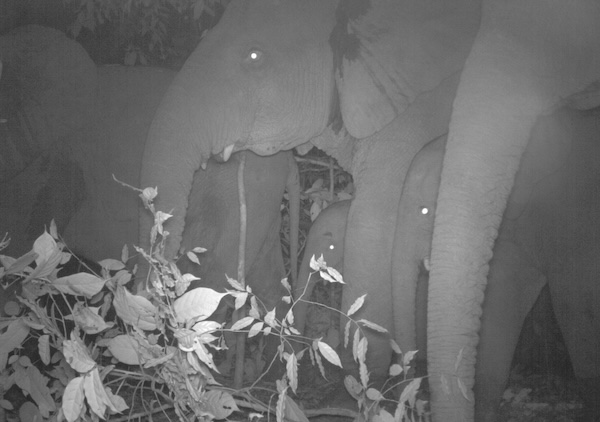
(589, 390)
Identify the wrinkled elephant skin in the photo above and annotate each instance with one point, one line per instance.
(548, 235)
(214, 205)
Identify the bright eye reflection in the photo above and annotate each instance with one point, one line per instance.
(424, 210)
(331, 247)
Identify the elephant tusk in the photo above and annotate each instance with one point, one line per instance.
(227, 152)
(427, 264)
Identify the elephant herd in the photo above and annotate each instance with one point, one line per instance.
(468, 127)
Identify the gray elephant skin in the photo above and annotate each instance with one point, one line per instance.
(393, 76)
(70, 178)
(548, 236)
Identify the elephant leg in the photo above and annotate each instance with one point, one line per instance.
(514, 284)
(575, 294)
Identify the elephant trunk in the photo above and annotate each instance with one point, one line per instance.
(168, 165)
(496, 106)
(184, 133)
(412, 242)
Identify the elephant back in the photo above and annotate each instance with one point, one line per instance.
(47, 91)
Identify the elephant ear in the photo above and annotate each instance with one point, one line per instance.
(49, 82)
(388, 52)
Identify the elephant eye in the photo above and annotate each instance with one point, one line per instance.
(331, 247)
(424, 210)
(254, 57)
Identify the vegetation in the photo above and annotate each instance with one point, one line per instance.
(80, 343)
(144, 32)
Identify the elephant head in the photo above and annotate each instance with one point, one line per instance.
(326, 237)
(274, 75)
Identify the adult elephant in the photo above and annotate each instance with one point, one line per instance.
(527, 57)
(47, 92)
(274, 76)
(71, 177)
(548, 236)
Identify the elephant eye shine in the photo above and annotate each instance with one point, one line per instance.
(331, 247)
(254, 57)
(424, 210)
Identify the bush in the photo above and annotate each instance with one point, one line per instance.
(89, 341)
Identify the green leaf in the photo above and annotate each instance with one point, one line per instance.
(409, 394)
(44, 348)
(80, 284)
(112, 264)
(198, 303)
(358, 303)
(408, 357)
(291, 369)
(329, 354)
(36, 386)
(374, 394)
(72, 402)
(124, 348)
(292, 411)
(383, 416)
(134, 309)
(77, 355)
(395, 370)
(220, 403)
(13, 337)
(255, 329)
(242, 323)
(372, 326)
(87, 318)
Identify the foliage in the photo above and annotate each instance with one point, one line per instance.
(145, 31)
(78, 336)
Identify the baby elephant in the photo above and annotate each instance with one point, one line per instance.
(326, 237)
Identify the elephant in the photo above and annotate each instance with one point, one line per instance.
(71, 180)
(47, 92)
(371, 83)
(325, 237)
(548, 236)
